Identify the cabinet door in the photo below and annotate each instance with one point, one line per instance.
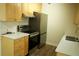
(77, 14)
(61, 54)
(0, 45)
(13, 11)
(29, 8)
(2, 11)
(25, 9)
(21, 46)
(7, 45)
(77, 17)
(35, 7)
(10, 12)
(26, 45)
(19, 43)
(18, 10)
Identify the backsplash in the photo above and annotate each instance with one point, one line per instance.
(11, 26)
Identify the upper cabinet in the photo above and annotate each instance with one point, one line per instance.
(2, 11)
(10, 12)
(29, 8)
(15, 11)
(77, 14)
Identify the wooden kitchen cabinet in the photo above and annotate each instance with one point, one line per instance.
(61, 54)
(0, 45)
(77, 15)
(14, 47)
(10, 12)
(29, 8)
(2, 12)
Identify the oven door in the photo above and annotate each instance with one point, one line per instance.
(33, 41)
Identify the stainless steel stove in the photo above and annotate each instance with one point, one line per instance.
(33, 37)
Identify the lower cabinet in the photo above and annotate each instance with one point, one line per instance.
(0, 45)
(14, 47)
(61, 54)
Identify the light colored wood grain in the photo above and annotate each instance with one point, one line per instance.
(25, 9)
(13, 12)
(0, 45)
(29, 8)
(26, 45)
(7, 46)
(77, 14)
(18, 12)
(14, 47)
(19, 46)
(10, 12)
(2, 12)
(61, 54)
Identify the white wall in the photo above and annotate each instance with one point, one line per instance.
(11, 26)
(60, 21)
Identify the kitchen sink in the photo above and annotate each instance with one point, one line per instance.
(72, 38)
(8, 33)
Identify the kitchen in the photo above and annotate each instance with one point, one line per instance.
(59, 18)
(23, 24)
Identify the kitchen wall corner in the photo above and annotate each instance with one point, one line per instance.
(11, 26)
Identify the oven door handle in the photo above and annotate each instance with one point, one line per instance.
(34, 35)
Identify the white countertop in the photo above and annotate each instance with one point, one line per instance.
(16, 35)
(68, 47)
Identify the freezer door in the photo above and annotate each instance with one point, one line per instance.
(43, 23)
(42, 40)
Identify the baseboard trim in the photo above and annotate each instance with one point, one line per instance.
(51, 44)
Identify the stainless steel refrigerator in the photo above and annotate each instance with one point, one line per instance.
(43, 29)
(39, 23)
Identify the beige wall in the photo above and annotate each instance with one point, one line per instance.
(60, 21)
